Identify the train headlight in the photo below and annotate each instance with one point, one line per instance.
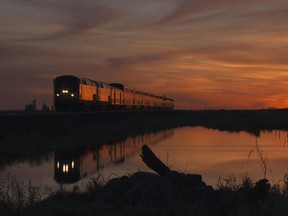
(72, 95)
(64, 91)
(57, 95)
(72, 164)
(65, 168)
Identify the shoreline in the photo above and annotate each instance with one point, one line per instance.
(25, 135)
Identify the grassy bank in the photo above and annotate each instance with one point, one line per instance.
(146, 194)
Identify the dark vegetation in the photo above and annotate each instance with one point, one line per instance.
(149, 194)
(26, 135)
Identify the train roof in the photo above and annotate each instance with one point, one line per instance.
(84, 80)
(117, 85)
(65, 77)
(94, 83)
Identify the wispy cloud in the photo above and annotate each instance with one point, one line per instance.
(72, 17)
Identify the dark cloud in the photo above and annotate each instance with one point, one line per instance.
(141, 59)
(186, 8)
(74, 16)
(195, 11)
(9, 51)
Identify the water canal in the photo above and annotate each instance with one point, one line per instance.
(208, 152)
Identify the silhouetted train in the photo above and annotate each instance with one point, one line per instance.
(74, 93)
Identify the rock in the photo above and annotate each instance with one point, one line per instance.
(149, 190)
(144, 178)
(261, 188)
(116, 187)
(94, 208)
(198, 193)
(183, 181)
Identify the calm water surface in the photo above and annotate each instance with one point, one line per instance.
(208, 152)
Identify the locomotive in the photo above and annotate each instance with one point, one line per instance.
(72, 93)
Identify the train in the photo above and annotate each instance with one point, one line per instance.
(72, 93)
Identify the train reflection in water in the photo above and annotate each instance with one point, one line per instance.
(70, 167)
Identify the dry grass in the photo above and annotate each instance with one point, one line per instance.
(232, 197)
(15, 196)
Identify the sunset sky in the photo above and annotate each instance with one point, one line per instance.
(230, 54)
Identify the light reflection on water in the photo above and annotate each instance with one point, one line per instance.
(218, 154)
(70, 167)
(208, 152)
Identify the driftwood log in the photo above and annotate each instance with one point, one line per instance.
(153, 162)
(180, 180)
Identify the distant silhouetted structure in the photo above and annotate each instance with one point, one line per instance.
(45, 108)
(31, 107)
